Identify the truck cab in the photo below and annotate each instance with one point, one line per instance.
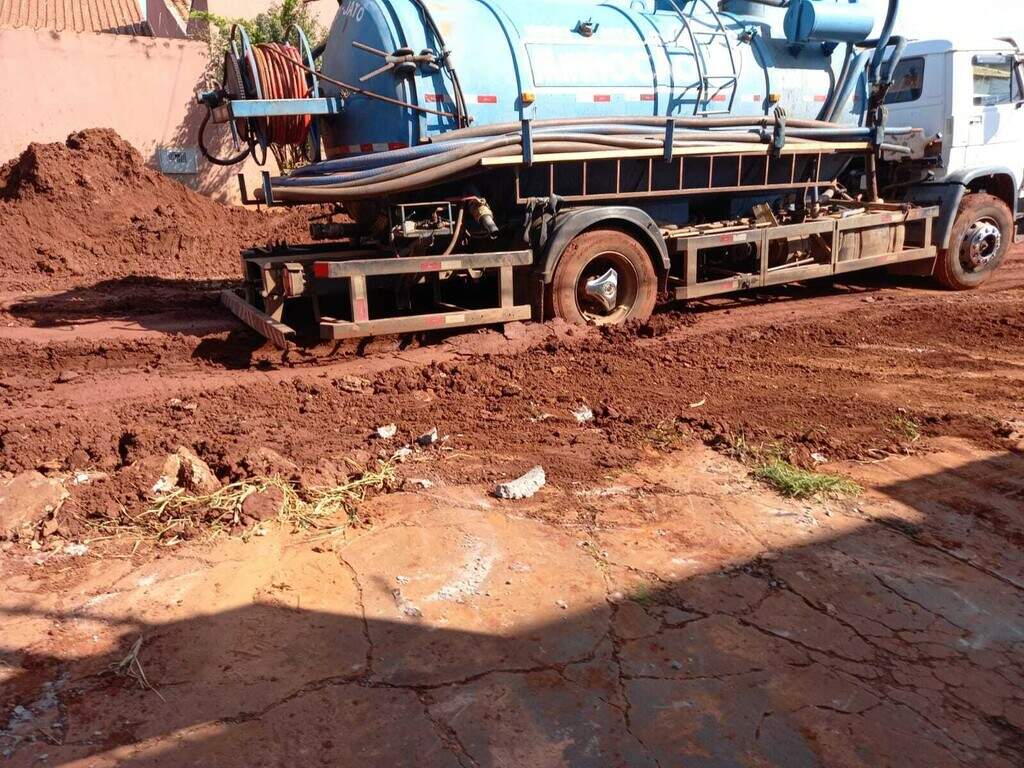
(968, 97)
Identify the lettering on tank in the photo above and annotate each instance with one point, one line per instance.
(353, 10)
(583, 65)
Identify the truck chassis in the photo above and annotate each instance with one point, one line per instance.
(332, 281)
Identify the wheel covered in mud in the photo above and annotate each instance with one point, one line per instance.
(605, 277)
(981, 236)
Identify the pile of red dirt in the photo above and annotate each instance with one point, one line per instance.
(90, 209)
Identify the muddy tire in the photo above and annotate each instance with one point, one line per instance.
(604, 277)
(981, 236)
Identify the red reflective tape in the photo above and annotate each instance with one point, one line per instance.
(602, 98)
(647, 97)
(758, 98)
(361, 310)
(322, 269)
(486, 99)
(434, 320)
(727, 239)
(430, 266)
(397, 145)
(820, 98)
(718, 97)
(366, 147)
(434, 98)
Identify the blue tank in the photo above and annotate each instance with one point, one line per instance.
(518, 59)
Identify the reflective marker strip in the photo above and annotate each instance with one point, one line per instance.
(820, 98)
(365, 149)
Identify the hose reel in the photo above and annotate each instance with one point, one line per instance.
(268, 71)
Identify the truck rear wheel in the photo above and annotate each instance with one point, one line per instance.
(981, 235)
(604, 277)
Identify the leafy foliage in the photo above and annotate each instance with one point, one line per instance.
(272, 26)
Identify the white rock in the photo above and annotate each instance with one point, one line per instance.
(387, 432)
(525, 487)
(583, 414)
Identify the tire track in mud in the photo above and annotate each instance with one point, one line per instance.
(838, 383)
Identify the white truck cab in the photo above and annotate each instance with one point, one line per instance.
(968, 97)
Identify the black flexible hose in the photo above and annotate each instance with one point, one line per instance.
(209, 155)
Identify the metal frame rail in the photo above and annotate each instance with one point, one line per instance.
(274, 279)
(691, 171)
(686, 250)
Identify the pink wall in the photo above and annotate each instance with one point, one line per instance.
(55, 83)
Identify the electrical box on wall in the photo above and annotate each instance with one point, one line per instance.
(184, 161)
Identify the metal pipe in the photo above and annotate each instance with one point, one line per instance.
(883, 39)
(853, 77)
(838, 85)
(889, 69)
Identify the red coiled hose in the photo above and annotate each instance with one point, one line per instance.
(283, 76)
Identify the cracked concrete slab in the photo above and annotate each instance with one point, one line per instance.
(488, 589)
(689, 618)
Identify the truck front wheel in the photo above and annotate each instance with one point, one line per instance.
(604, 277)
(981, 235)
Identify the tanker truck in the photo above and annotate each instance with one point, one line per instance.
(491, 161)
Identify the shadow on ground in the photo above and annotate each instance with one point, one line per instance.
(898, 643)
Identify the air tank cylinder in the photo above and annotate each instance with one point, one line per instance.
(828, 22)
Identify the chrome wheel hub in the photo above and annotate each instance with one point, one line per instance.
(981, 244)
(604, 289)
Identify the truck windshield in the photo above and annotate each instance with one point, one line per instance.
(907, 82)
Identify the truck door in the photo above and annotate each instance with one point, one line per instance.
(996, 123)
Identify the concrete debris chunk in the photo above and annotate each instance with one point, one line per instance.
(583, 414)
(26, 500)
(353, 384)
(428, 439)
(387, 432)
(183, 469)
(525, 487)
(405, 607)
